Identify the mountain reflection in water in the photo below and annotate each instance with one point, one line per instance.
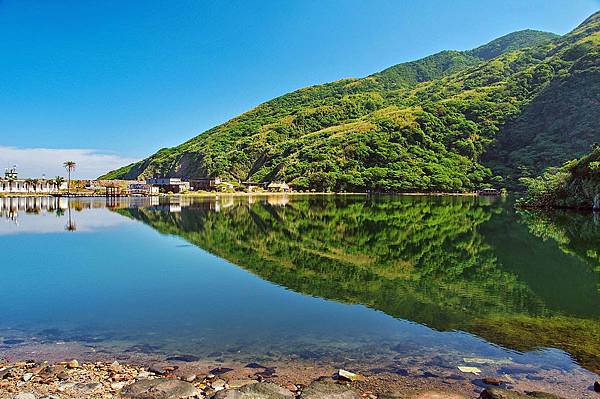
(452, 263)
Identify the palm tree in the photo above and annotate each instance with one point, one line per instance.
(58, 180)
(69, 166)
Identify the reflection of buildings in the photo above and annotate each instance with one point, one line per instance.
(12, 184)
(278, 200)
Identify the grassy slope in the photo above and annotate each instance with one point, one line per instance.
(424, 125)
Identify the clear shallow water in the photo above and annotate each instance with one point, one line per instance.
(308, 277)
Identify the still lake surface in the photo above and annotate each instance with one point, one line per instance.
(323, 277)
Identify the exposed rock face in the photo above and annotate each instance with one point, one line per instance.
(162, 388)
(262, 390)
(322, 390)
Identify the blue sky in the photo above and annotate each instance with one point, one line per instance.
(120, 79)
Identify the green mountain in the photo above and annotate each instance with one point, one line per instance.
(449, 122)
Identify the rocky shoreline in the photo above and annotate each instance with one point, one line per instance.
(103, 379)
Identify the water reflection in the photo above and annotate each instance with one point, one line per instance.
(521, 280)
(449, 263)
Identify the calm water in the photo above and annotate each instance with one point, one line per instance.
(308, 277)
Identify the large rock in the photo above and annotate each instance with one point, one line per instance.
(322, 390)
(161, 388)
(262, 390)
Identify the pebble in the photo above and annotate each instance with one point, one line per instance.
(188, 377)
(24, 395)
(117, 385)
(115, 366)
(143, 374)
(63, 375)
(218, 385)
(73, 364)
(27, 376)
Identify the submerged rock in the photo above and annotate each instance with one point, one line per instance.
(262, 390)
(349, 376)
(597, 386)
(322, 390)
(184, 358)
(498, 393)
(161, 388)
(491, 381)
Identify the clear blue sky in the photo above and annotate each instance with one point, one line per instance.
(130, 76)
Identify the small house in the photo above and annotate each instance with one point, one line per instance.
(278, 186)
(205, 183)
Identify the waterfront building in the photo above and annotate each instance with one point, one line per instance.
(11, 184)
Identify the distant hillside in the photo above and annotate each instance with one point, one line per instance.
(449, 122)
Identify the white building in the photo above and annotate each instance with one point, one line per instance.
(12, 184)
(169, 184)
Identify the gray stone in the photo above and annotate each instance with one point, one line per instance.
(189, 377)
(261, 390)
(24, 395)
(161, 388)
(27, 376)
(5, 373)
(323, 390)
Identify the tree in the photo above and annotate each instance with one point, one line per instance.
(69, 166)
(58, 180)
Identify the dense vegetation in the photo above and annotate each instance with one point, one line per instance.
(436, 261)
(574, 185)
(453, 121)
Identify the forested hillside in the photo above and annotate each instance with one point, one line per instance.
(453, 121)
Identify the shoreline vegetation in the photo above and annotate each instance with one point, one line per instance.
(575, 185)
